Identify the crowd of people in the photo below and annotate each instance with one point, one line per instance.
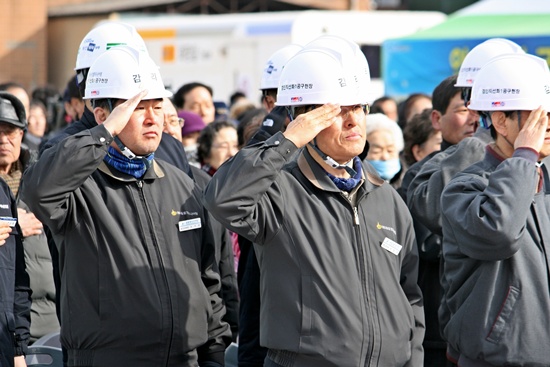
(311, 228)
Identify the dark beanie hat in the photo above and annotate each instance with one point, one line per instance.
(12, 110)
(192, 122)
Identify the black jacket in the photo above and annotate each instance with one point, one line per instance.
(137, 257)
(15, 292)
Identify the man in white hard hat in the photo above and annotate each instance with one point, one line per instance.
(251, 353)
(105, 36)
(271, 73)
(495, 217)
(334, 242)
(425, 180)
(136, 250)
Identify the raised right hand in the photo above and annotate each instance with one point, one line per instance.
(306, 126)
(119, 117)
(533, 132)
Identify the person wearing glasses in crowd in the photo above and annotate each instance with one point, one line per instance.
(217, 142)
(172, 122)
(335, 243)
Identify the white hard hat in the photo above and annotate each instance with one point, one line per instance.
(512, 82)
(102, 37)
(122, 72)
(481, 54)
(319, 75)
(275, 64)
(351, 53)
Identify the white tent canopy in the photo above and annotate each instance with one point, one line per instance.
(506, 7)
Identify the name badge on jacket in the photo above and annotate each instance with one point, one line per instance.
(187, 225)
(391, 246)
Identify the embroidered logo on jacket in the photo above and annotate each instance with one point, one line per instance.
(175, 212)
(379, 226)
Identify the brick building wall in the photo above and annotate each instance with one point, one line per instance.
(23, 54)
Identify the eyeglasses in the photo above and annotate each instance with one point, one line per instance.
(356, 110)
(345, 111)
(10, 132)
(175, 121)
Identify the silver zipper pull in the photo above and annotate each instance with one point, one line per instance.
(356, 215)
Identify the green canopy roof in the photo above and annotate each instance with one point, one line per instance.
(488, 26)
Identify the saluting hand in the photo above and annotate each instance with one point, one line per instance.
(119, 117)
(532, 134)
(306, 126)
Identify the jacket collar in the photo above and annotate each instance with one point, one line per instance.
(319, 178)
(152, 173)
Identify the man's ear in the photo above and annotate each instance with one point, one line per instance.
(498, 120)
(436, 120)
(100, 115)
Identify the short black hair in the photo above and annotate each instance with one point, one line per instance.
(72, 90)
(106, 103)
(404, 107)
(179, 97)
(236, 96)
(443, 93)
(249, 123)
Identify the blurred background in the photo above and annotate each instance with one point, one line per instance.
(411, 45)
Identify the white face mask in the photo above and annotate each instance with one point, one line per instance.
(387, 169)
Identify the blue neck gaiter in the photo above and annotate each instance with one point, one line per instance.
(132, 167)
(348, 184)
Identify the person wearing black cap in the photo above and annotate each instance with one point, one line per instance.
(15, 292)
(14, 159)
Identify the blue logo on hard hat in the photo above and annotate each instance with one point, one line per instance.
(269, 69)
(91, 47)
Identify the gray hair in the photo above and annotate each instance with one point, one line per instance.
(379, 121)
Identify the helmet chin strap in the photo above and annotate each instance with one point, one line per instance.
(331, 162)
(129, 154)
(328, 160)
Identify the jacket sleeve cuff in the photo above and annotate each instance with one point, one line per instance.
(282, 145)
(21, 348)
(526, 153)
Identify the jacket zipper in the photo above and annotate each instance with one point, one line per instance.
(363, 277)
(161, 264)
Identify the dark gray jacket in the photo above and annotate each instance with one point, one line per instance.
(139, 286)
(496, 254)
(39, 267)
(424, 192)
(331, 295)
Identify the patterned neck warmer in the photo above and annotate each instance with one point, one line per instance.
(132, 167)
(348, 184)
